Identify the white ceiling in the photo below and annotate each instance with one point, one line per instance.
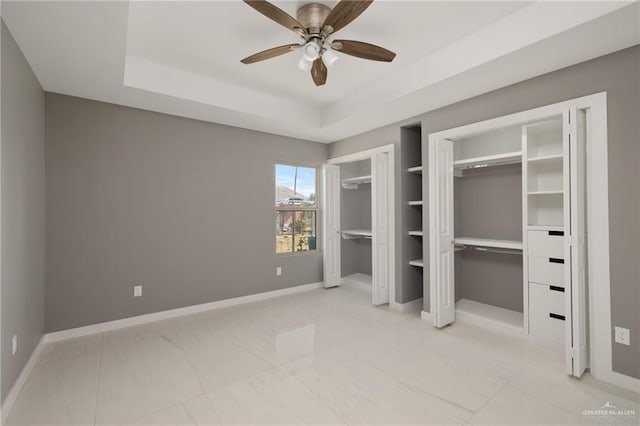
(183, 58)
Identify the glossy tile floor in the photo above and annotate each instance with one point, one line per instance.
(319, 357)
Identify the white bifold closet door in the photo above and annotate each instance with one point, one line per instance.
(441, 243)
(577, 354)
(380, 223)
(331, 224)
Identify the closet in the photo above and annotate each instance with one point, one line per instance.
(507, 227)
(358, 222)
(355, 222)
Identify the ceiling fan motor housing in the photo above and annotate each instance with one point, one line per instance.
(312, 16)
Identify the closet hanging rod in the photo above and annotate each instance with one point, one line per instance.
(492, 250)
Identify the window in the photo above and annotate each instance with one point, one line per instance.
(296, 208)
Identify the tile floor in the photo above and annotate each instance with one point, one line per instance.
(319, 357)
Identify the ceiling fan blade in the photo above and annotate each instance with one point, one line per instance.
(270, 53)
(363, 50)
(319, 72)
(276, 14)
(345, 12)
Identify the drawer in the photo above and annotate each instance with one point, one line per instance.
(546, 313)
(546, 244)
(546, 270)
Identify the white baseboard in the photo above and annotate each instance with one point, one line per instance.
(414, 305)
(7, 405)
(620, 380)
(426, 316)
(173, 313)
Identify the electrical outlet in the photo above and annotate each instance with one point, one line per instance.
(279, 270)
(14, 344)
(137, 291)
(622, 335)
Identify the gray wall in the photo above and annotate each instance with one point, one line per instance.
(617, 74)
(182, 207)
(23, 217)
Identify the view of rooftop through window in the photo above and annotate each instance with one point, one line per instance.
(295, 208)
(295, 186)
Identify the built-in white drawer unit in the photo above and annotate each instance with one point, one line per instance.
(546, 312)
(546, 270)
(546, 244)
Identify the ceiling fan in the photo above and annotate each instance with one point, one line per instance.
(315, 23)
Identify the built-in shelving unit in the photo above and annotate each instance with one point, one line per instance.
(417, 262)
(354, 182)
(412, 196)
(485, 242)
(356, 233)
(489, 160)
(544, 172)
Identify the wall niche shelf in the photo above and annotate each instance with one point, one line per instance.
(354, 182)
(489, 160)
(416, 233)
(545, 192)
(416, 203)
(416, 169)
(417, 262)
(351, 234)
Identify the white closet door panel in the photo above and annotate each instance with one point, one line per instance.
(576, 302)
(380, 226)
(441, 220)
(331, 224)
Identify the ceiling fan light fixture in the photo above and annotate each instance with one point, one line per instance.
(311, 51)
(329, 58)
(304, 64)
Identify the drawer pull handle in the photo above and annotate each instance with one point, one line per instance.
(556, 316)
(555, 260)
(556, 288)
(556, 233)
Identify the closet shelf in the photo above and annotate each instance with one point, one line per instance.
(415, 203)
(489, 160)
(545, 192)
(352, 183)
(416, 169)
(545, 228)
(485, 242)
(351, 234)
(416, 233)
(545, 158)
(417, 262)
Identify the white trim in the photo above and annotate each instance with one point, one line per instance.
(426, 316)
(368, 155)
(12, 396)
(173, 313)
(598, 224)
(362, 155)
